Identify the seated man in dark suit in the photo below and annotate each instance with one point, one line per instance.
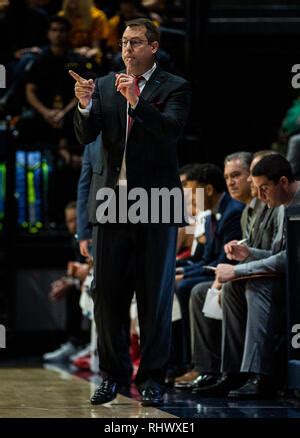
(221, 227)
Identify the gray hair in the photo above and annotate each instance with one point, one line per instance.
(244, 157)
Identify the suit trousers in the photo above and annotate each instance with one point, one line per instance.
(207, 333)
(132, 258)
(183, 291)
(252, 324)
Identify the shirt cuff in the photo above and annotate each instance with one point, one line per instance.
(241, 270)
(257, 254)
(85, 111)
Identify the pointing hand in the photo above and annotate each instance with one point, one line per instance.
(84, 89)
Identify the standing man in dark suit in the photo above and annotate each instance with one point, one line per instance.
(141, 113)
(85, 190)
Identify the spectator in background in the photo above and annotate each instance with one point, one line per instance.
(49, 90)
(22, 29)
(69, 288)
(89, 27)
(48, 123)
(128, 10)
(155, 8)
(22, 34)
(289, 137)
(48, 7)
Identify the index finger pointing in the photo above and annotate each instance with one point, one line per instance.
(76, 76)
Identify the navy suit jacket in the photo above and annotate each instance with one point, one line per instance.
(228, 228)
(89, 170)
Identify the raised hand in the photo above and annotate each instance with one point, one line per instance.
(125, 84)
(60, 288)
(235, 251)
(84, 247)
(224, 272)
(84, 89)
(50, 116)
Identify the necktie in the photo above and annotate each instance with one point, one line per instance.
(284, 233)
(137, 80)
(248, 223)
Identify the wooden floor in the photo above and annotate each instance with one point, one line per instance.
(42, 393)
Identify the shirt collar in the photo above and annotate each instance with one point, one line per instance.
(149, 72)
(252, 203)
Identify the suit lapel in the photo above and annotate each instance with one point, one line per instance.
(155, 81)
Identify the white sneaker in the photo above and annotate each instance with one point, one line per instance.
(62, 354)
(81, 353)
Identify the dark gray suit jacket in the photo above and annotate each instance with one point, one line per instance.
(274, 260)
(265, 227)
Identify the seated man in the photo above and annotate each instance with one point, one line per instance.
(191, 239)
(184, 239)
(221, 226)
(259, 225)
(251, 308)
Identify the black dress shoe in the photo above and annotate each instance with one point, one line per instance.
(105, 393)
(221, 388)
(204, 380)
(257, 387)
(152, 394)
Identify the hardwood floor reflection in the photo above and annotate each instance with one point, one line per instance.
(43, 393)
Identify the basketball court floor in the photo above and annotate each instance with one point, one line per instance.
(58, 392)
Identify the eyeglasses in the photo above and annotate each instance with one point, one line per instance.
(134, 43)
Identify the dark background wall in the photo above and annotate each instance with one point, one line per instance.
(240, 56)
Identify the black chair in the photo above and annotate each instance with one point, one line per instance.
(293, 296)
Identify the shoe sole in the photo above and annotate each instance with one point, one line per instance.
(94, 403)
